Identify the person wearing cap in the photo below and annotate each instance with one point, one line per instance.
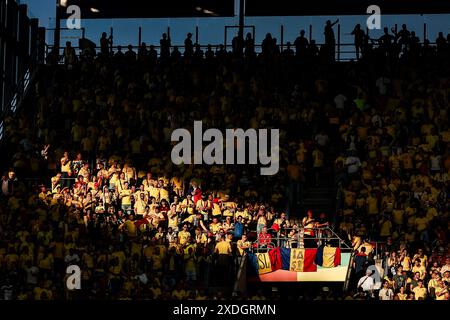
(366, 283)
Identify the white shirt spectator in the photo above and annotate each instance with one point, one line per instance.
(339, 101)
(435, 162)
(321, 139)
(381, 84)
(71, 259)
(376, 275)
(445, 268)
(7, 292)
(353, 164)
(386, 294)
(32, 275)
(366, 283)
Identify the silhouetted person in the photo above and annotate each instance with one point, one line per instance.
(105, 43)
(330, 41)
(441, 43)
(237, 44)
(188, 46)
(209, 54)
(288, 52)
(221, 52)
(152, 55)
(403, 36)
(130, 54)
(198, 53)
(164, 46)
(70, 57)
(268, 45)
(119, 55)
(359, 36)
(414, 43)
(143, 52)
(176, 54)
(249, 45)
(301, 44)
(386, 41)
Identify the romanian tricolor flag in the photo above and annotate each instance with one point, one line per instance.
(328, 257)
(302, 260)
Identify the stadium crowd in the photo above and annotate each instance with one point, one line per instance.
(103, 193)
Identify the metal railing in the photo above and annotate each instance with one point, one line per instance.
(342, 52)
(321, 235)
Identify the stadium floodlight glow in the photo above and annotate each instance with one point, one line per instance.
(206, 11)
(95, 10)
(212, 13)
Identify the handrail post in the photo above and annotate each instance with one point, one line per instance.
(225, 38)
(310, 33)
(111, 34)
(339, 43)
(140, 36)
(282, 37)
(424, 31)
(196, 34)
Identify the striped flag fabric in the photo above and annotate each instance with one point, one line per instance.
(328, 257)
(275, 259)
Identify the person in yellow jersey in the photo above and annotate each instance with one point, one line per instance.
(179, 293)
(223, 252)
(243, 245)
(187, 206)
(177, 184)
(419, 268)
(125, 197)
(163, 191)
(183, 235)
(215, 226)
(422, 256)
(217, 208)
(190, 264)
(420, 292)
(441, 291)
(129, 226)
(66, 171)
(155, 289)
(401, 294)
(200, 237)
